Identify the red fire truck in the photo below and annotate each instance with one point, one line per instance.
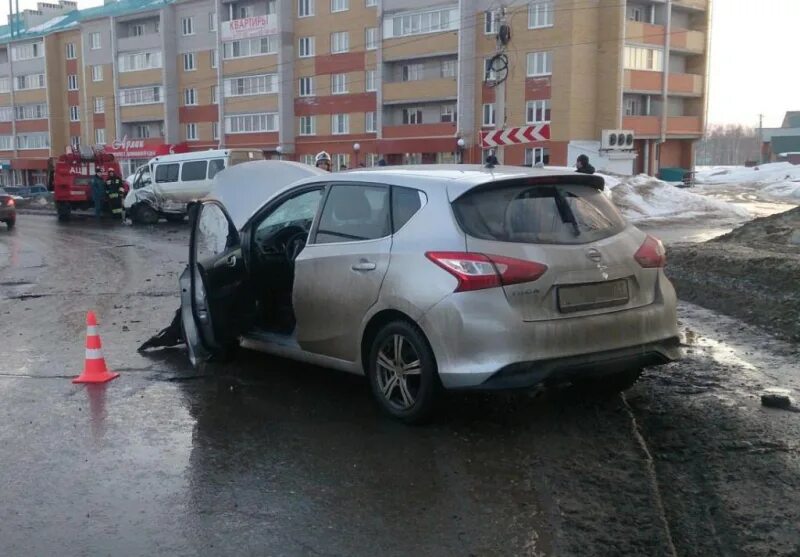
(70, 175)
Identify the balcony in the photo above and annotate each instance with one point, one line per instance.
(417, 91)
(420, 46)
(142, 42)
(700, 5)
(693, 42)
(644, 126)
(644, 33)
(683, 84)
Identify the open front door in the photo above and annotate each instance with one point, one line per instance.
(215, 305)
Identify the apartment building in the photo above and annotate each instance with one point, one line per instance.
(403, 80)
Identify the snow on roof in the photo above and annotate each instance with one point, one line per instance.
(42, 27)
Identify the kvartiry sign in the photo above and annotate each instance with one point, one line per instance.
(249, 27)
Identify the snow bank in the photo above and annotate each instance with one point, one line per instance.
(644, 198)
(777, 179)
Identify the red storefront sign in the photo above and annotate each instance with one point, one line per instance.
(143, 148)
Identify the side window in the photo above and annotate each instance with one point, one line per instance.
(297, 211)
(167, 173)
(405, 203)
(354, 212)
(214, 234)
(214, 166)
(193, 171)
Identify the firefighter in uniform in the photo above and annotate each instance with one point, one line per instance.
(323, 161)
(115, 191)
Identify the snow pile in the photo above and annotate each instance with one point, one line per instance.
(777, 179)
(644, 198)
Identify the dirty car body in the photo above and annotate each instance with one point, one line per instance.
(8, 209)
(427, 277)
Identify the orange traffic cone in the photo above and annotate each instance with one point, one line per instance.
(94, 368)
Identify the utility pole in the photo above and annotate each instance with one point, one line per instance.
(500, 90)
(761, 138)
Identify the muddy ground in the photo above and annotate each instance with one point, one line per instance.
(262, 456)
(752, 273)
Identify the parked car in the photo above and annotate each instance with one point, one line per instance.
(168, 184)
(37, 194)
(8, 209)
(428, 277)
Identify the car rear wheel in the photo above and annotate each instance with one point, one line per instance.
(144, 214)
(607, 385)
(402, 373)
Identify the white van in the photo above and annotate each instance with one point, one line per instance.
(166, 185)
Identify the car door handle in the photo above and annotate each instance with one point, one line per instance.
(364, 266)
(229, 262)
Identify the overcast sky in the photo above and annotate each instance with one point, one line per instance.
(754, 48)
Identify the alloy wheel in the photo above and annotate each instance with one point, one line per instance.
(399, 372)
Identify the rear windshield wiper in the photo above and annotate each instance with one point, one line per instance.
(565, 210)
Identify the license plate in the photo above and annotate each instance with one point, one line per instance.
(76, 193)
(583, 297)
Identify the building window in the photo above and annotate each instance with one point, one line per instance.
(188, 62)
(448, 113)
(140, 95)
(370, 124)
(305, 8)
(417, 23)
(449, 68)
(75, 141)
(338, 83)
(488, 70)
(71, 51)
(141, 131)
(413, 72)
(136, 30)
(251, 85)
(272, 7)
(490, 21)
(540, 63)
(632, 106)
(371, 40)
(308, 125)
(306, 86)
(187, 26)
(412, 116)
(100, 136)
(340, 124)
(31, 111)
(191, 132)
(307, 159)
(34, 81)
(97, 73)
(341, 161)
(6, 113)
(635, 13)
(370, 3)
(5, 84)
(95, 44)
(250, 47)
(252, 123)
(99, 105)
(306, 47)
(190, 96)
(137, 61)
(370, 81)
(340, 5)
(340, 42)
(214, 94)
(33, 141)
(641, 58)
(215, 130)
(27, 51)
(212, 21)
(540, 14)
(537, 112)
(212, 56)
(488, 115)
(72, 82)
(537, 155)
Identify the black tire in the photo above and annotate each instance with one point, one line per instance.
(144, 214)
(424, 387)
(11, 223)
(608, 385)
(63, 210)
(175, 218)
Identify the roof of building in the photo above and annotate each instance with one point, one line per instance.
(791, 119)
(68, 20)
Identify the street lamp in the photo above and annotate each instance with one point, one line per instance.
(356, 149)
(279, 150)
(461, 144)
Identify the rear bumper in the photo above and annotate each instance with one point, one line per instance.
(479, 341)
(7, 214)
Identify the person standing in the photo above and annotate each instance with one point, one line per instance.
(98, 186)
(115, 191)
(323, 161)
(582, 165)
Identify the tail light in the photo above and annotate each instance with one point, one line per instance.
(476, 271)
(651, 254)
(10, 202)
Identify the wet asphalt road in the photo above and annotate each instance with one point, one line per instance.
(267, 457)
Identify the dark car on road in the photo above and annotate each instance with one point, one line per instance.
(8, 209)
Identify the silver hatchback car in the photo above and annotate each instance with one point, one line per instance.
(428, 277)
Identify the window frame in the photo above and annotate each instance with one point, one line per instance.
(310, 44)
(97, 69)
(189, 62)
(534, 106)
(345, 118)
(95, 45)
(314, 232)
(540, 58)
(338, 6)
(312, 127)
(541, 10)
(341, 48)
(309, 8)
(187, 26)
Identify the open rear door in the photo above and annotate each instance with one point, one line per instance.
(215, 305)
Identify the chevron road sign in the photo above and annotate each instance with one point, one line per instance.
(512, 136)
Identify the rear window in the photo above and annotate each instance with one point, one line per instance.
(539, 214)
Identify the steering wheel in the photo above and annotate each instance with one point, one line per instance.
(294, 245)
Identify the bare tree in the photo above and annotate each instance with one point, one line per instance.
(731, 144)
